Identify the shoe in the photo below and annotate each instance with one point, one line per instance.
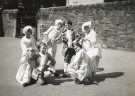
(65, 75)
(56, 74)
(87, 81)
(42, 81)
(25, 84)
(77, 81)
(99, 69)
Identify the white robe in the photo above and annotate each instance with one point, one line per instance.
(81, 66)
(89, 44)
(23, 74)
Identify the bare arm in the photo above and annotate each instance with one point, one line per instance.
(48, 31)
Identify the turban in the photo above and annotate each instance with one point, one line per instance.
(86, 24)
(26, 28)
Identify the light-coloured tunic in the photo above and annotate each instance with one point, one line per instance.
(89, 44)
(27, 43)
(52, 34)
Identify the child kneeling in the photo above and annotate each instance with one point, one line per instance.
(46, 64)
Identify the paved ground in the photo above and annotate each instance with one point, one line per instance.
(117, 79)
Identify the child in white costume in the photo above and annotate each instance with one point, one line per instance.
(28, 40)
(27, 44)
(89, 42)
(53, 34)
(87, 58)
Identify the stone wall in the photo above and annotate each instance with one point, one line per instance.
(83, 2)
(9, 22)
(1, 28)
(114, 22)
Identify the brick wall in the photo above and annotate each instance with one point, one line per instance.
(114, 22)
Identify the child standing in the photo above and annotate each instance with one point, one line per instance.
(28, 47)
(69, 51)
(53, 34)
(83, 67)
(89, 43)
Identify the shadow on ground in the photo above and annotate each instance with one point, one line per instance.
(103, 76)
(98, 78)
(59, 79)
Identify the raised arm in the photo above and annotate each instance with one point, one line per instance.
(48, 31)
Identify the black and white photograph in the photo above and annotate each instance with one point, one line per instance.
(67, 47)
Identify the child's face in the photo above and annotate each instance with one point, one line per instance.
(43, 49)
(86, 29)
(28, 33)
(30, 52)
(59, 25)
(68, 26)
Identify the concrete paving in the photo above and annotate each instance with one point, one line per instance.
(117, 79)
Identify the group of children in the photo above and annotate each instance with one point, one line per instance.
(81, 55)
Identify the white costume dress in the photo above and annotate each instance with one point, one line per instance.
(25, 69)
(23, 73)
(84, 62)
(89, 44)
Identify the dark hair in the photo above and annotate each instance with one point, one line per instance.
(79, 45)
(69, 22)
(40, 44)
